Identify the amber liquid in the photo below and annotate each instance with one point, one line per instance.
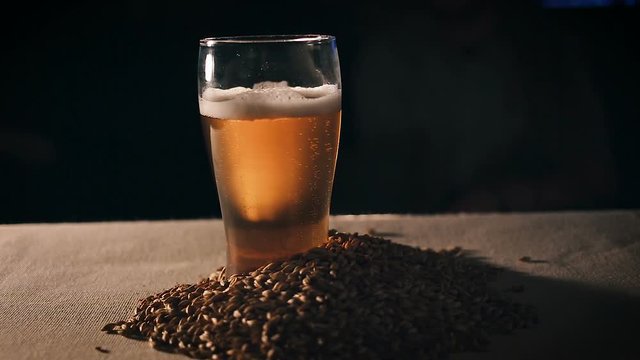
(274, 178)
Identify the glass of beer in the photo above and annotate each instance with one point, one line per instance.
(270, 108)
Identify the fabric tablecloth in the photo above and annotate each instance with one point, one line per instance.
(60, 283)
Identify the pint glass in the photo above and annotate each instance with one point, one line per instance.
(271, 109)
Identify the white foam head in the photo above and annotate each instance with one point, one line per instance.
(269, 100)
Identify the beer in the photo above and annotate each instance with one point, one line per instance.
(273, 150)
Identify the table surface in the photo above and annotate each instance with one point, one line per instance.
(60, 283)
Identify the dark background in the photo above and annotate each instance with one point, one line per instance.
(447, 106)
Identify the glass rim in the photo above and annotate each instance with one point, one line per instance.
(267, 39)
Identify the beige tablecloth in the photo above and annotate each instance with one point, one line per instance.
(60, 283)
